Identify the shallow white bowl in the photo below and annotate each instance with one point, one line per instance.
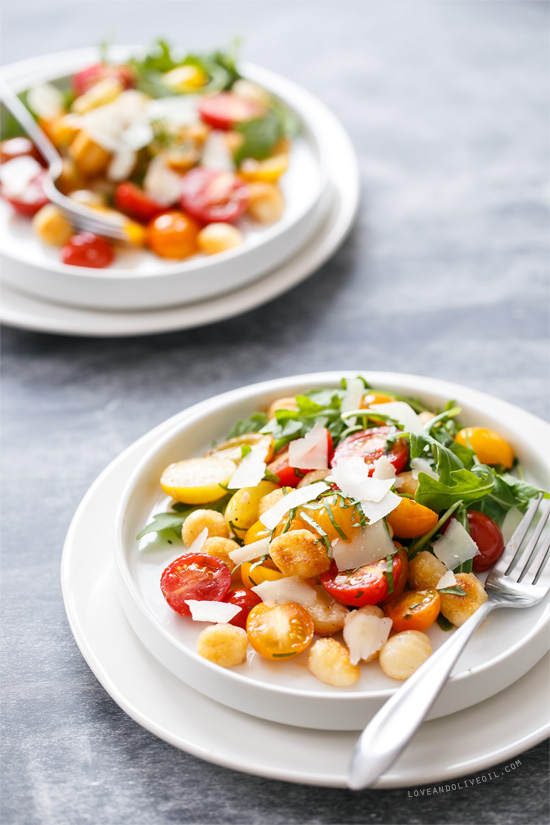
(139, 279)
(504, 648)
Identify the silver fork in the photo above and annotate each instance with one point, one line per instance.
(82, 217)
(510, 584)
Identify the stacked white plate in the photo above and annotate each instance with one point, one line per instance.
(141, 293)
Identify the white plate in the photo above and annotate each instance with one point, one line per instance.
(168, 708)
(26, 312)
(505, 647)
(141, 280)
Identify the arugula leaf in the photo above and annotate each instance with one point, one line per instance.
(173, 520)
(462, 485)
(445, 458)
(252, 424)
(260, 136)
(508, 492)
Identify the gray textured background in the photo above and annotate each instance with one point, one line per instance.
(445, 274)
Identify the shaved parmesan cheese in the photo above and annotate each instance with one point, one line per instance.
(161, 183)
(209, 611)
(456, 546)
(46, 101)
(121, 165)
(376, 510)
(383, 468)
(196, 546)
(310, 452)
(272, 517)
(355, 389)
(288, 589)
(121, 124)
(216, 154)
(16, 174)
(250, 551)
(251, 470)
(352, 477)
(367, 545)
(179, 110)
(422, 465)
(448, 579)
(365, 635)
(403, 413)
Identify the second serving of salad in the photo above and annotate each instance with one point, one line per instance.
(344, 522)
(182, 146)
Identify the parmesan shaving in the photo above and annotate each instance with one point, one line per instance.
(216, 154)
(161, 183)
(251, 470)
(310, 452)
(46, 101)
(456, 546)
(422, 465)
(250, 551)
(210, 611)
(288, 589)
(196, 545)
(16, 175)
(352, 477)
(383, 468)
(272, 517)
(448, 579)
(368, 545)
(376, 510)
(355, 389)
(365, 635)
(401, 412)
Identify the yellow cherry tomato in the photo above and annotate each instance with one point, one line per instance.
(489, 446)
(173, 235)
(264, 171)
(279, 631)
(198, 480)
(375, 398)
(233, 447)
(266, 572)
(185, 78)
(415, 610)
(242, 510)
(411, 519)
(332, 514)
(256, 532)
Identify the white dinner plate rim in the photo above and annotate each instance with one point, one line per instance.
(100, 668)
(381, 379)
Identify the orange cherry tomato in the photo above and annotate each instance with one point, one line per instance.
(256, 532)
(173, 235)
(279, 631)
(490, 447)
(375, 398)
(415, 610)
(411, 519)
(266, 572)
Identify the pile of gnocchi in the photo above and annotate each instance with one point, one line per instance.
(343, 522)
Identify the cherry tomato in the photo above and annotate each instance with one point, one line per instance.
(415, 610)
(366, 585)
(224, 110)
(399, 585)
(266, 572)
(32, 199)
(18, 147)
(371, 445)
(173, 235)
(291, 476)
(246, 600)
(279, 631)
(211, 196)
(194, 576)
(488, 537)
(132, 200)
(86, 78)
(410, 519)
(87, 249)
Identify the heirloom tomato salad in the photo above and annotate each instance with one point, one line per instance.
(180, 147)
(343, 522)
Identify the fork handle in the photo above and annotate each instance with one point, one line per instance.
(391, 729)
(29, 124)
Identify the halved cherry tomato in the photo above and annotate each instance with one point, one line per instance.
(253, 576)
(194, 576)
(87, 249)
(375, 398)
(291, 476)
(489, 446)
(88, 77)
(488, 537)
(410, 519)
(279, 631)
(246, 599)
(416, 610)
(371, 445)
(132, 200)
(366, 585)
(224, 110)
(212, 196)
(233, 448)
(399, 585)
(18, 147)
(173, 235)
(33, 197)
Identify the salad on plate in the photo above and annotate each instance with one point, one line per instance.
(343, 522)
(182, 147)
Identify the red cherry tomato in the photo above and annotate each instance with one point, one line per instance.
(291, 476)
(488, 537)
(132, 200)
(194, 576)
(245, 599)
(224, 110)
(18, 147)
(32, 198)
(211, 196)
(367, 585)
(87, 249)
(371, 445)
(85, 79)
